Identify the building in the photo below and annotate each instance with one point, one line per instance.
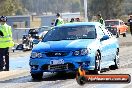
(48, 19)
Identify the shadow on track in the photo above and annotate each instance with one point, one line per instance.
(46, 77)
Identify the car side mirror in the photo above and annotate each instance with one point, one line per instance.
(105, 37)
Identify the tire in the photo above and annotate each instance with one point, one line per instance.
(37, 76)
(124, 34)
(117, 35)
(116, 61)
(97, 63)
(13, 50)
(81, 80)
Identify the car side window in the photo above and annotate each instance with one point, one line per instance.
(107, 33)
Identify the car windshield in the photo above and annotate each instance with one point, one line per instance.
(70, 33)
(111, 23)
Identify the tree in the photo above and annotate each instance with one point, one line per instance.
(108, 8)
(82, 5)
(9, 7)
(127, 7)
(54, 6)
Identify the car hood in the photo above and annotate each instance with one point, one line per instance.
(65, 45)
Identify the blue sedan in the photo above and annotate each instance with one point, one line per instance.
(69, 46)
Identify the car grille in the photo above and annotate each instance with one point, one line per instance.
(56, 54)
(58, 67)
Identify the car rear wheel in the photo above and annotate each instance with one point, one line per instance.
(116, 60)
(97, 63)
(124, 34)
(37, 76)
(117, 35)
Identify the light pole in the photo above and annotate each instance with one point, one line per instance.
(85, 10)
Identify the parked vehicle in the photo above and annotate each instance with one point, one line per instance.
(27, 44)
(33, 32)
(113, 30)
(118, 25)
(67, 47)
(27, 39)
(39, 34)
(43, 30)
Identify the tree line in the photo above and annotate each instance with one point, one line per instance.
(54, 6)
(108, 8)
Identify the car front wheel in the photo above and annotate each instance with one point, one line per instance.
(97, 63)
(37, 76)
(81, 80)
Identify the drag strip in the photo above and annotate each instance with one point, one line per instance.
(54, 80)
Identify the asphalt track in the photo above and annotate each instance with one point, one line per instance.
(54, 80)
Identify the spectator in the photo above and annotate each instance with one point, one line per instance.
(100, 19)
(130, 23)
(72, 20)
(59, 20)
(77, 20)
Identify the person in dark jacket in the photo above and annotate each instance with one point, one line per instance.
(130, 23)
(72, 20)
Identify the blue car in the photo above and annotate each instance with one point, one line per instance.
(67, 47)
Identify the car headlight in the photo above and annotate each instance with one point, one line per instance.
(40, 55)
(81, 52)
(84, 52)
(36, 55)
(33, 55)
(76, 53)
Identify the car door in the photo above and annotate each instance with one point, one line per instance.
(111, 45)
(104, 47)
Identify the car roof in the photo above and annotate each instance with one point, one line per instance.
(79, 24)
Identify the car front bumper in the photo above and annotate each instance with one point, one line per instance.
(70, 64)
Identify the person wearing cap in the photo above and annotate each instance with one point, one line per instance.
(59, 20)
(130, 23)
(6, 41)
(100, 19)
(77, 19)
(72, 20)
